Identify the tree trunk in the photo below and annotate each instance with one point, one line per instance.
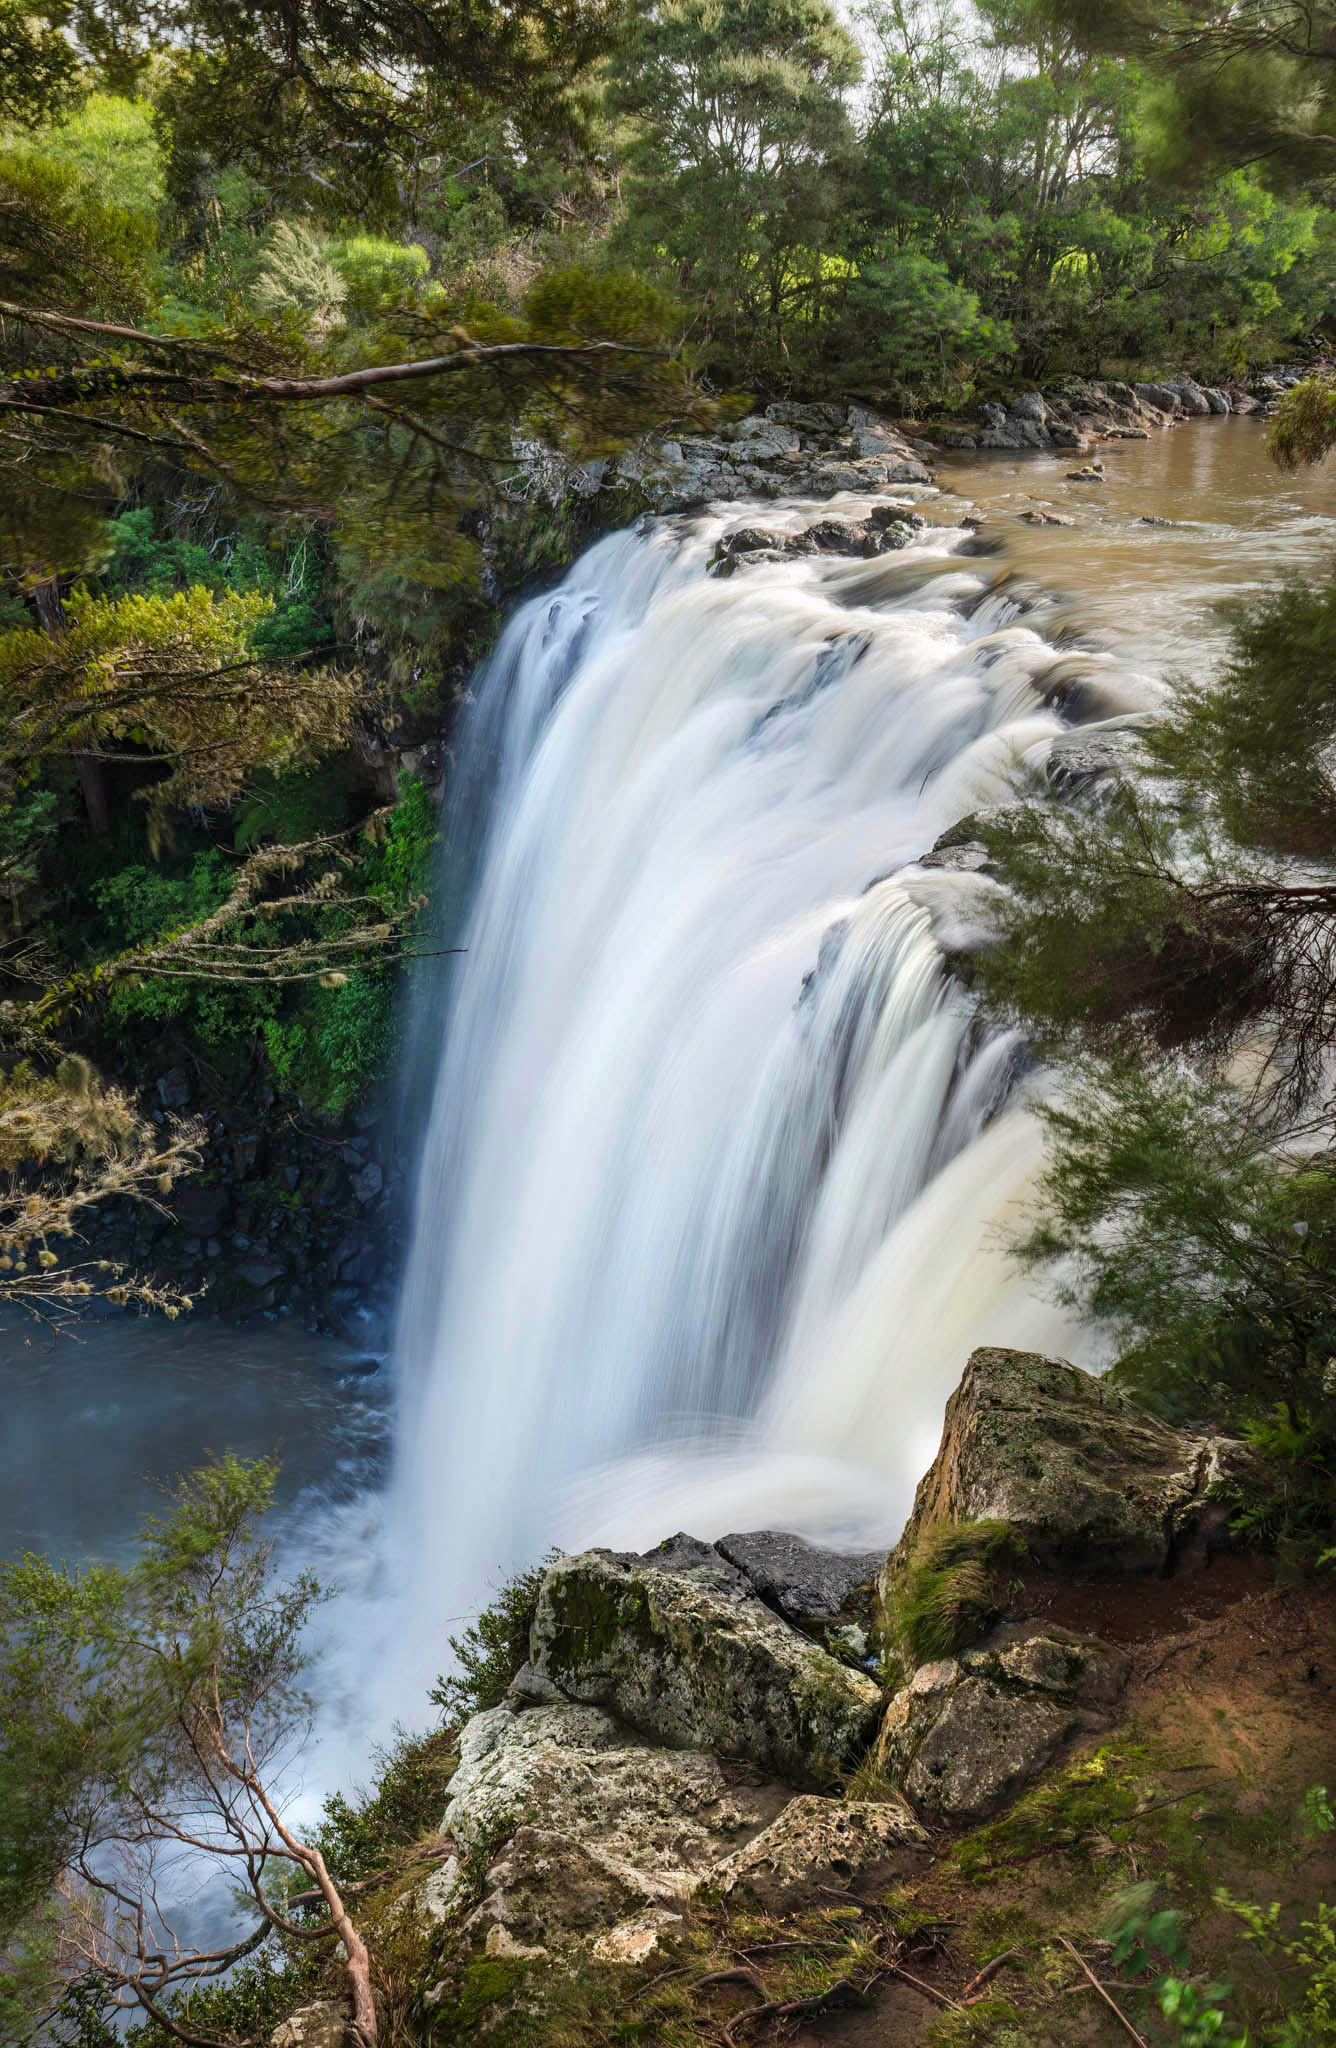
(92, 775)
(93, 788)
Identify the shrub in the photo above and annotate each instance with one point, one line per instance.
(946, 1595)
(359, 1836)
(492, 1648)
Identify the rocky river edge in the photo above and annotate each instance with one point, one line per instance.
(843, 1794)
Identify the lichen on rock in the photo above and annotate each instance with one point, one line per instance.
(823, 1844)
(969, 1732)
(692, 1658)
(567, 1824)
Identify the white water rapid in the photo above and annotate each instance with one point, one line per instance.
(720, 1164)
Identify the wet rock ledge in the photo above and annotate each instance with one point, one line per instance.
(751, 1724)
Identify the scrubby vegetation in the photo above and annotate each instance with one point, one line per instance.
(1168, 944)
(950, 1590)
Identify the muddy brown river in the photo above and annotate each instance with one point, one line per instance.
(1227, 523)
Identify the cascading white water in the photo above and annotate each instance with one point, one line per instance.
(714, 1191)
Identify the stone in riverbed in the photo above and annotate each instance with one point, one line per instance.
(1162, 397)
(1190, 396)
(1076, 760)
(689, 1656)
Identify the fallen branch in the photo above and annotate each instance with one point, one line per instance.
(986, 1975)
(1116, 2010)
(237, 387)
(737, 1975)
(927, 1990)
(840, 1997)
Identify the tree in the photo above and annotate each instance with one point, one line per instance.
(1169, 943)
(38, 64)
(175, 681)
(742, 145)
(1252, 83)
(335, 99)
(150, 1713)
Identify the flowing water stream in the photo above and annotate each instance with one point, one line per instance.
(719, 1163)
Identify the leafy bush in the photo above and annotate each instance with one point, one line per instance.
(142, 558)
(1140, 1937)
(492, 1648)
(372, 268)
(289, 809)
(110, 144)
(336, 1044)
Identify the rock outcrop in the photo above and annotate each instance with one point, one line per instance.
(968, 1733)
(789, 451)
(1078, 410)
(1096, 1488)
(685, 1652)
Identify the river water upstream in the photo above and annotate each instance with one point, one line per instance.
(717, 1158)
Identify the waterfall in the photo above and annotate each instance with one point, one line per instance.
(720, 1161)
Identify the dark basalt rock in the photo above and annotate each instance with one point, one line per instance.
(812, 1587)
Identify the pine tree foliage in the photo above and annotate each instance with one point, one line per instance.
(1170, 944)
(152, 1711)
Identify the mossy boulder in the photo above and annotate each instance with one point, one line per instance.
(968, 1733)
(1093, 1487)
(692, 1658)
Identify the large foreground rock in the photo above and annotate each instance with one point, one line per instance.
(578, 1826)
(817, 1846)
(970, 1732)
(1097, 1489)
(684, 1651)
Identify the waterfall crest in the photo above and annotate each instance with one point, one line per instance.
(719, 1159)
